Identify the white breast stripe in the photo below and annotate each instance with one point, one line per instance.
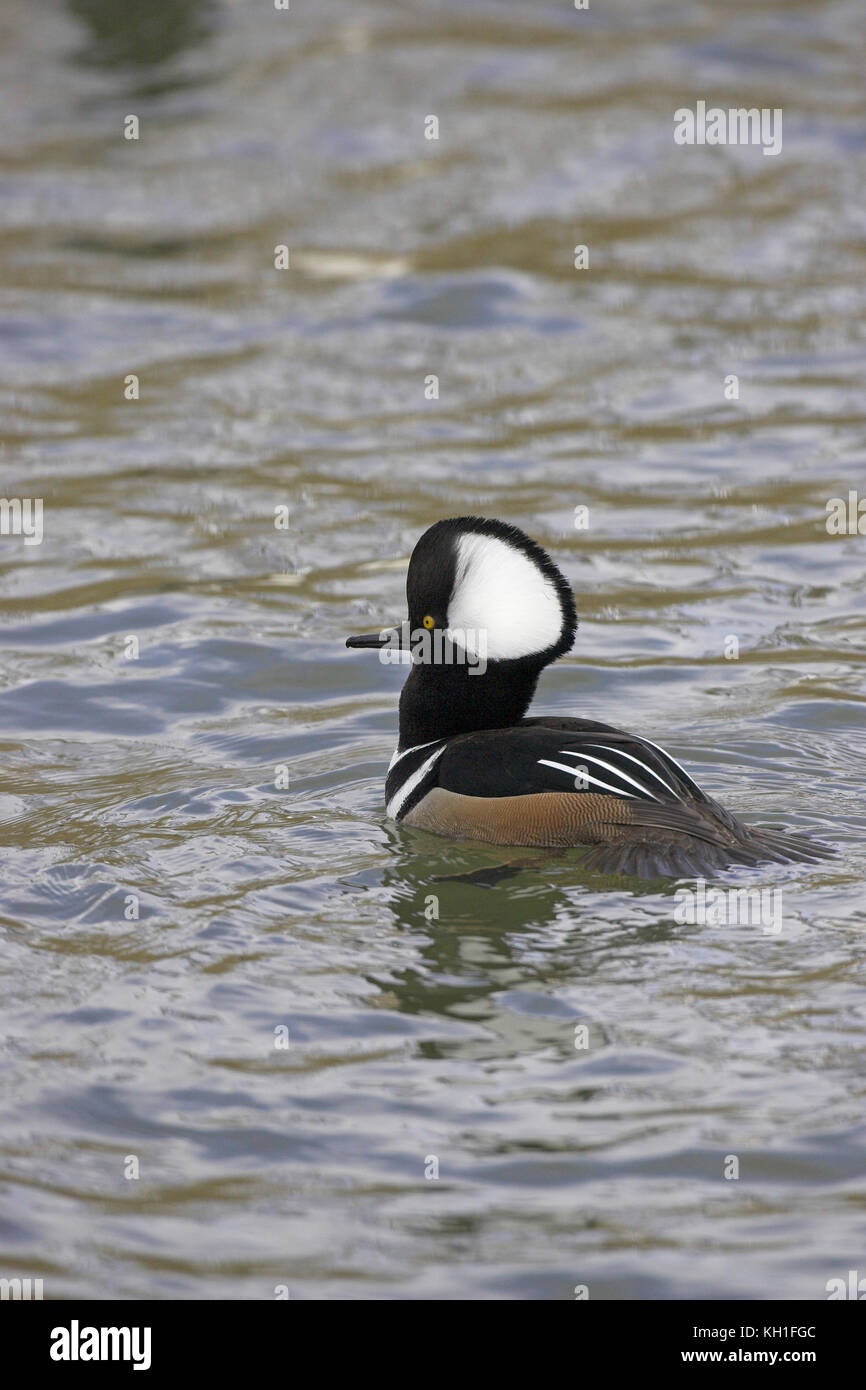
(406, 788)
(617, 772)
(585, 777)
(620, 753)
(397, 754)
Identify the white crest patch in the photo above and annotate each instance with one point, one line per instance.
(500, 591)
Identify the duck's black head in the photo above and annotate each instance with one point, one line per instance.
(488, 610)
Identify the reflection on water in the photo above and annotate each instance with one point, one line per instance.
(141, 33)
(579, 1062)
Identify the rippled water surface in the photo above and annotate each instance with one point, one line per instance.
(155, 781)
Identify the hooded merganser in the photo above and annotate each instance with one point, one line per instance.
(488, 610)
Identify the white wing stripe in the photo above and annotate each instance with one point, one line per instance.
(584, 777)
(621, 753)
(664, 754)
(617, 772)
(406, 788)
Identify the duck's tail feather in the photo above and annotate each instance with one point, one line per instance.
(688, 841)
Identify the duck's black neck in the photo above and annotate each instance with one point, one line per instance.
(440, 701)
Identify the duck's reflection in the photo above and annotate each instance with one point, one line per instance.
(502, 932)
(141, 33)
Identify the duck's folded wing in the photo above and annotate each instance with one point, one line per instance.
(567, 755)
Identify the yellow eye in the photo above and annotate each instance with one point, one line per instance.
(428, 622)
